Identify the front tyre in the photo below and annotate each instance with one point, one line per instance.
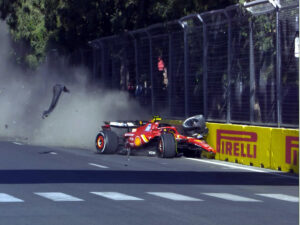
(106, 142)
(167, 146)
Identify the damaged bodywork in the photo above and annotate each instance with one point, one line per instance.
(57, 91)
(161, 139)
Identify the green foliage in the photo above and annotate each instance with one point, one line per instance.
(27, 26)
(40, 25)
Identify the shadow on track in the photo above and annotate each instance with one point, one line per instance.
(142, 177)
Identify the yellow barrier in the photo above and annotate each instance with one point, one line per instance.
(285, 150)
(272, 148)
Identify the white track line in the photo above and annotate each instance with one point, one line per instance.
(231, 197)
(243, 167)
(281, 197)
(58, 196)
(117, 196)
(17, 143)
(8, 198)
(97, 165)
(174, 196)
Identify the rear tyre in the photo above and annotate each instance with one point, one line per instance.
(167, 146)
(106, 142)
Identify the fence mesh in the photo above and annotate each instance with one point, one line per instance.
(239, 65)
(290, 69)
(229, 65)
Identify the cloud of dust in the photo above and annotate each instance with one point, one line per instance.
(78, 116)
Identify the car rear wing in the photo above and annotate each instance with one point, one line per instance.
(124, 124)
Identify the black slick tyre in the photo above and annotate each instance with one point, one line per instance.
(167, 146)
(106, 142)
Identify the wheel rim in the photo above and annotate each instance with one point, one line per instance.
(100, 142)
(160, 146)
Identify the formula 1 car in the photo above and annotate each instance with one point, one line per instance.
(161, 139)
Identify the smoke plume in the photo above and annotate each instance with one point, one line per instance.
(78, 115)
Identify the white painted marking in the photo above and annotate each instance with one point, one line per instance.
(231, 197)
(17, 143)
(117, 196)
(281, 197)
(225, 164)
(58, 196)
(8, 198)
(244, 167)
(97, 165)
(174, 196)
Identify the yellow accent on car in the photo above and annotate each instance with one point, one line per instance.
(144, 138)
(137, 141)
(156, 118)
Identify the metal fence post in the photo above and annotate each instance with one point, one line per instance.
(186, 62)
(205, 48)
(204, 62)
(136, 58)
(186, 73)
(278, 69)
(151, 71)
(170, 72)
(252, 73)
(186, 69)
(229, 60)
(96, 45)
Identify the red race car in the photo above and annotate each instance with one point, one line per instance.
(154, 137)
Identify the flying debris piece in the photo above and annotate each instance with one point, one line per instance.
(57, 90)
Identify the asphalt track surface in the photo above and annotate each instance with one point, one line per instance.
(46, 186)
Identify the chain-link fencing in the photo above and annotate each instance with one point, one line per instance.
(229, 65)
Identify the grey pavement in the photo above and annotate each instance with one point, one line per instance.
(43, 185)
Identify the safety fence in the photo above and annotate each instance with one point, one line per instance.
(229, 65)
